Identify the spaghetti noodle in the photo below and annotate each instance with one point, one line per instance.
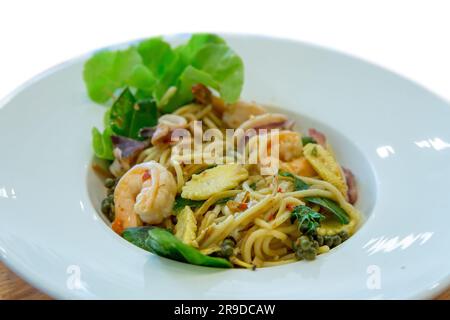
(259, 213)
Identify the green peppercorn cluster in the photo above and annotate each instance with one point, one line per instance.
(332, 240)
(306, 246)
(227, 247)
(107, 206)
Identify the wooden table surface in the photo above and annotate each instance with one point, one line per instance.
(13, 287)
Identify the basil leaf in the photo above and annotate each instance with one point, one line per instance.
(180, 203)
(299, 184)
(122, 112)
(145, 114)
(332, 206)
(128, 116)
(308, 139)
(137, 236)
(224, 200)
(165, 244)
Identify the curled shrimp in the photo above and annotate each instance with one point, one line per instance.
(299, 166)
(166, 125)
(145, 193)
(265, 121)
(288, 143)
(237, 113)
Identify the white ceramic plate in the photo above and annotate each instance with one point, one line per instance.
(392, 133)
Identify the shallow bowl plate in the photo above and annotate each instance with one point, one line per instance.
(394, 135)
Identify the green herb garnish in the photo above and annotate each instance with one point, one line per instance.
(125, 118)
(180, 203)
(308, 219)
(224, 200)
(308, 139)
(107, 71)
(128, 116)
(163, 243)
(331, 206)
(299, 184)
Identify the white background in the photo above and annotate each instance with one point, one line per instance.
(408, 37)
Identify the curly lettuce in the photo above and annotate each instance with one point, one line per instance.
(153, 66)
(143, 74)
(215, 66)
(107, 71)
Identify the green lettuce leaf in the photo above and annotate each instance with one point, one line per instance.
(190, 77)
(169, 78)
(224, 66)
(142, 78)
(157, 55)
(98, 76)
(204, 59)
(217, 67)
(107, 71)
(188, 51)
(145, 72)
(153, 67)
(102, 144)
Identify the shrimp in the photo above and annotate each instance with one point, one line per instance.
(237, 113)
(145, 193)
(269, 148)
(299, 166)
(166, 125)
(288, 142)
(265, 121)
(290, 145)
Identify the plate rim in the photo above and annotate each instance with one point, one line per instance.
(16, 267)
